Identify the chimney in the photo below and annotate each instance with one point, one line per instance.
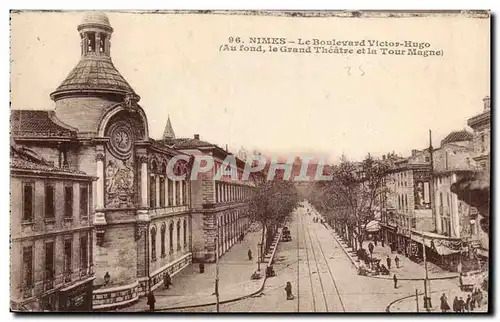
(227, 150)
(196, 136)
(487, 103)
(414, 152)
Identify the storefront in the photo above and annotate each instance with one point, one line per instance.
(77, 298)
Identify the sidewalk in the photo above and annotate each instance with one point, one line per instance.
(409, 304)
(191, 288)
(408, 270)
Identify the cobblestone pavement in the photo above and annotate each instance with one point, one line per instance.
(323, 278)
(192, 288)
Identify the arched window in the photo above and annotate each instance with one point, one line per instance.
(185, 232)
(178, 235)
(163, 232)
(153, 243)
(171, 237)
(152, 184)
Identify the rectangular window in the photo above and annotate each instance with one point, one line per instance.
(68, 253)
(84, 201)
(170, 192)
(49, 263)
(152, 192)
(28, 269)
(28, 201)
(427, 195)
(68, 202)
(162, 192)
(49, 201)
(84, 253)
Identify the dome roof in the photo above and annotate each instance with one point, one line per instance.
(96, 18)
(93, 75)
(457, 136)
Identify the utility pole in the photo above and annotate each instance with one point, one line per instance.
(217, 267)
(433, 208)
(426, 294)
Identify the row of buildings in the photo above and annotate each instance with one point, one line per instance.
(423, 206)
(96, 221)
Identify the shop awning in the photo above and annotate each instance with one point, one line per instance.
(372, 226)
(439, 246)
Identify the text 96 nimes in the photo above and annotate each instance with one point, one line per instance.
(333, 46)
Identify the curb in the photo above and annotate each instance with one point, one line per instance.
(451, 276)
(239, 298)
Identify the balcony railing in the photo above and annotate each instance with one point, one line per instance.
(27, 291)
(67, 276)
(48, 284)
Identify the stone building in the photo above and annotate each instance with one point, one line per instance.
(142, 217)
(481, 124)
(220, 213)
(51, 242)
(407, 206)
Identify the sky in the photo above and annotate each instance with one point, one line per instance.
(321, 105)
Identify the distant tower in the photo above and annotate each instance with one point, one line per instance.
(168, 134)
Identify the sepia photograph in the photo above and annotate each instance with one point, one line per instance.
(250, 161)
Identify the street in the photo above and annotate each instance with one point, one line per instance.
(324, 279)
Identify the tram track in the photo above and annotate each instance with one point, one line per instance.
(325, 281)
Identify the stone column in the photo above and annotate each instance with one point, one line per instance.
(100, 181)
(100, 218)
(144, 181)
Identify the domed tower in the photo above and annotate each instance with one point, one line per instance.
(94, 84)
(111, 144)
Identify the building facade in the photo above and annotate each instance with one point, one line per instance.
(481, 124)
(142, 219)
(220, 213)
(51, 242)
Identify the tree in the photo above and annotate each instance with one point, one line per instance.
(271, 205)
(352, 196)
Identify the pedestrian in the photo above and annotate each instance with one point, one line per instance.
(396, 260)
(167, 280)
(202, 268)
(249, 254)
(472, 303)
(467, 303)
(388, 260)
(288, 289)
(395, 278)
(455, 305)
(370, 248)
(444, 304)
(479, 298)
(461, 305)
(151, 301)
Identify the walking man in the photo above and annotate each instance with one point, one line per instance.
(288, 289)
(444, 304)
(151, 301)
(249, 254)
(395, 278)
(396, 260)
(388, 260)
(167, 280)
(456, 309)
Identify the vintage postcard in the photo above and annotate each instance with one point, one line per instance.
(250, 161)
